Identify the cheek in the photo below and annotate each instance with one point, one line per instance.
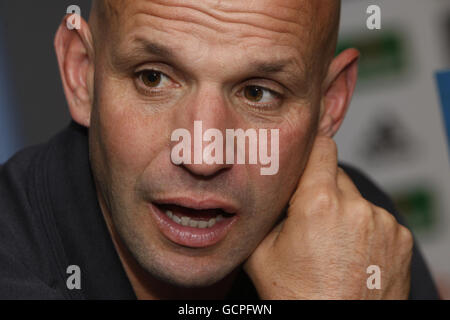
(272, 193)
(127, 138)
(296, 136)
(294, 142)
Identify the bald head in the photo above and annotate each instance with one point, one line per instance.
(320, 17)
(162, 65)
(106, 9)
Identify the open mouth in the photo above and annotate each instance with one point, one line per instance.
(201, 219)
(193, 227)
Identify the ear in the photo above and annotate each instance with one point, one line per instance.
(75, 53)
(339, 87)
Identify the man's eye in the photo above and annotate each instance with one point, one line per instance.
(153, 78)
(259, 94)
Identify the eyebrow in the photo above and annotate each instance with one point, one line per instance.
(296, 77)
(270, 67)
(141, 48)
(274, 67)
(154, 48)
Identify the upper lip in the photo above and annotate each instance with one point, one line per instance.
(196, 204)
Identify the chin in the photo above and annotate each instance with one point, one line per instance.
(190, 282)
(178, 266)
(187, 274)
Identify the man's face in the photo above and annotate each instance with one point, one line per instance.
(230, 64)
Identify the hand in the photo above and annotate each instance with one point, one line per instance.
(330, 236)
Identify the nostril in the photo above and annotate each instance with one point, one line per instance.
(206, 170)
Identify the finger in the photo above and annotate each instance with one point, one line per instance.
(322, 164)
(263, 249)
(346, 185)
(272, 237)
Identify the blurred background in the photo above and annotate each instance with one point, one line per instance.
(395, 130)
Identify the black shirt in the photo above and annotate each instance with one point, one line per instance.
(50, 219)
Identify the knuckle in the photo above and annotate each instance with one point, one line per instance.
(387, 218)
(342, 174)
(406, 237)
(361, 211)
(324, 200)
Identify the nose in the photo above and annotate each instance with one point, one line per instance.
(207, 117)
(206, 170)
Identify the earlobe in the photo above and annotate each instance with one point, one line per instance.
(74, 51)
(340, 85)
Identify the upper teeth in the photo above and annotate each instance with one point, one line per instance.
(186, 221)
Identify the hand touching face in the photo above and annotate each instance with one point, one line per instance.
(330, 237)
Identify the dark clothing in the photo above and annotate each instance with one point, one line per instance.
(50, 219)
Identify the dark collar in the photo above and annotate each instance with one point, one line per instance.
(74, 210)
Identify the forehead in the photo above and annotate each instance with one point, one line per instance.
(287, 10)
(289, 27)
(298, 18)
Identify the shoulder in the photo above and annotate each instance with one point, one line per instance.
(16, 204)
(23, 245)
(19, 281)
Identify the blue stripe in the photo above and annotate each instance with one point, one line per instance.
(9, 138)
(443, 80)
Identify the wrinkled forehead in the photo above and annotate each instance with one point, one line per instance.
(284, 9)
(308, 25)
(316, 17)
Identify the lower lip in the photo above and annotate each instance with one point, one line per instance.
(189, 236)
